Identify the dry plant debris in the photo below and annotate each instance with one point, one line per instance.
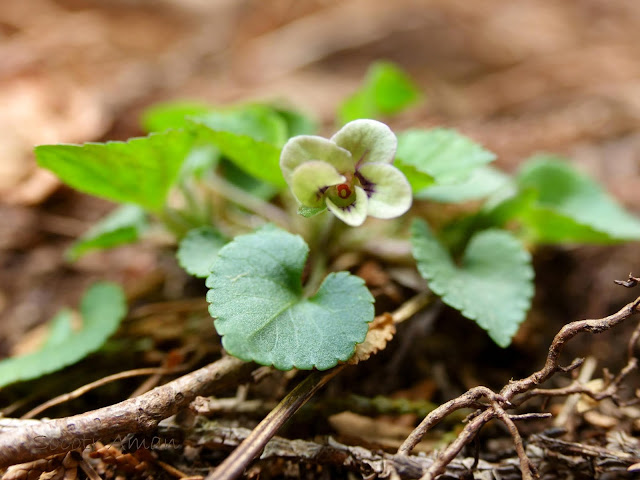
(18, 438)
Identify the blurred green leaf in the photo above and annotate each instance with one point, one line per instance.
(251, 138)
(60, 329)
(246, 182)
(297, 123)
(163, 116)
(139, 171)
(102, 308)
(439, 156)
(567, 206)
(386, 90)
(123, 225)
(200, 160)
(259, 122)
(482, 182)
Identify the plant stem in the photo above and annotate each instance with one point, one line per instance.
(412, 306)
(250, 202)
(321, 239)
(235, 463)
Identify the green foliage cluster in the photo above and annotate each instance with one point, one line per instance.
(478, 263)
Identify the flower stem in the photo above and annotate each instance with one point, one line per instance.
(237, 195)
(321, 239)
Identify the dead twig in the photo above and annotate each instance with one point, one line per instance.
(27, 440)
(517, 392)
(466, 400)
(235, 463)
(78, 392)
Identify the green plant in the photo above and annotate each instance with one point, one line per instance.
(272, 292)
(102, 308)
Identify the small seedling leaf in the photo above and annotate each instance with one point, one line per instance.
(493, 284)
(439, 155)
(256, 297)
(123, 225)
(138, 171)
(386, 90)
(102, 308)
(163, 116)
(198, 249)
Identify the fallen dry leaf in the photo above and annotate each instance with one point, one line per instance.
(381, 331)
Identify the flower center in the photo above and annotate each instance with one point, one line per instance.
(344, 190)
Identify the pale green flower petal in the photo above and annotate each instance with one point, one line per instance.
(388, 189)
(368, 141)
(303, 148)
(310, 180)
(353, 214)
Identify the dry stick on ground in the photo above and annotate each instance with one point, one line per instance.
(78, 392)
(235, 463)
(26, 440)
(516, 392)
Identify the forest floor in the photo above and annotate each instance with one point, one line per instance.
(518, 77)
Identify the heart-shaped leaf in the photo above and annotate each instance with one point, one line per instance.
(493, 284)
(257, 299)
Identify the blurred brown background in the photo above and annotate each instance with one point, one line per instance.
(518, 76)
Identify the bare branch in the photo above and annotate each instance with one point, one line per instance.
(27, 440)
(466, 436)
(516, 392)
(465, 400)
(526, 467)
(65, 397)
(567, 333)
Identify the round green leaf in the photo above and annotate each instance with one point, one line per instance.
(198, 249)
(493, 284)
(256, 297)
